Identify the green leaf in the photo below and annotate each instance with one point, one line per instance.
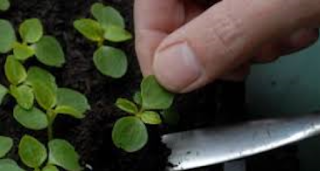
(68, 110)
(9, 165)
(154, 96)
(44, 87)
(111, 61)
(170, 116)
(107, 15)
(50, 168)
(151, 117)
(7, 161)
(45, 95)
(4, 5)
(49, 51)
(137, 98)
(32, 152)
(116, 34)
(63, 154)
(36, 74)
(31, 30)
(15, 71)
(3, 93)
(130, 134)
(72, 103)
(33, 119)
(127, 106)
(90, 29)
(22, 52)
(6, 144)
(23, 95)
(7, 36)
(97, 10)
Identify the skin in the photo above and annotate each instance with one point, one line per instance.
(187, 46)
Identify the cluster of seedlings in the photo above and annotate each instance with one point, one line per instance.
(39, 100)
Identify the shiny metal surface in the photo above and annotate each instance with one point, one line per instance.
(203, 147)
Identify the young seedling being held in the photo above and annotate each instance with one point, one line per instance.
(108, 25)
(46, 49)
(130, 132)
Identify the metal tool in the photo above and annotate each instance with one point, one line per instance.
(204, 147)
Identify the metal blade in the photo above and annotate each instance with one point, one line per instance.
(203, 147)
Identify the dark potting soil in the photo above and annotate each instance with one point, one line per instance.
(216, 104)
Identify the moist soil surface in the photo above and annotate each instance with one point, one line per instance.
(217, 104)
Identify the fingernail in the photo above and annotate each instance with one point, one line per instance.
(177, 67)
(304, 38)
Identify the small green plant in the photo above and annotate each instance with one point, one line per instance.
(130, 132)
(4, 5)
(45, 48)
(108, 25)
(51, 101)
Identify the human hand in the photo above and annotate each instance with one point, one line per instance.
(187, 46)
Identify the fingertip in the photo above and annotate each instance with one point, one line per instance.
(177, 67)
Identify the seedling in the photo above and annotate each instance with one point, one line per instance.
(108, 25)
(4, 5)
(6, 144)
(52, 101)
(130, 132)
(46, 49)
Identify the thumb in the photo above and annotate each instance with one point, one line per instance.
(223, 38)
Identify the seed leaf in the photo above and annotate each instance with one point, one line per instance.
(36, 74)
(7, 161)
(72, 103)
(23, 95)
(130, 134)
(63, 154)
(49, 51)
(151, 117)
(50, 168)
(33, 119)
(154, 96)
(31, 30)
(15, 71)
(137, 98)
(97, 10)
(116, 34)
(3, 93)
(68, 110)
(6, 144)
(32, 152)
(45, 95)
(107, 15)
(4, 5)
(22, 52)
(9, 165)
(127, 106)
(111, 61)
(7, 36)
(44, 87)
(91, 29)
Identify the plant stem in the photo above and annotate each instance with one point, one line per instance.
(100, 43)
(51, 117)
(36, 169)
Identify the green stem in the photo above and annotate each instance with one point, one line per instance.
(100, 43)
(51, 117)
(140, 112)
(37, 169)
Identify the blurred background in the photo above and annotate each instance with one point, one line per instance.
(290, 86)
